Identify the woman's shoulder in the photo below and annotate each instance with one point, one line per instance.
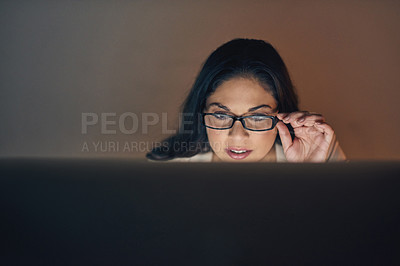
(200, 157)
(335, 154)
(207, 156)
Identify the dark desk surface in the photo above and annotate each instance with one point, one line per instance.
(121, 212)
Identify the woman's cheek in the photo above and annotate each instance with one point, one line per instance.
(264, 141)
(216, 139)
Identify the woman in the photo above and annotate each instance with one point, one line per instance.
(243, 108)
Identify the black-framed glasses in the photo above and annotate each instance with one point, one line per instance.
(251, 122)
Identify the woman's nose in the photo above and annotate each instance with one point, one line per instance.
(238, 130)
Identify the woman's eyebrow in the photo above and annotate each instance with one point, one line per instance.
(219, 105)
(260, 106)
(250, 110)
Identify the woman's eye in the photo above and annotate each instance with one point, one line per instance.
(259, 118)
(221, 116)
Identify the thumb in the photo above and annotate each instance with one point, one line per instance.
(284, 134)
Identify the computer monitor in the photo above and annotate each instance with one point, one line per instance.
(124, 212)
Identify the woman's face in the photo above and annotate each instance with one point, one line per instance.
(241, 97)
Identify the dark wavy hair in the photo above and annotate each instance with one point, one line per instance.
(247, 58)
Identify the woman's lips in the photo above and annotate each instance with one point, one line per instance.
(238, 154)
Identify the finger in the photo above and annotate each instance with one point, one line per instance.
(302, 132)
(306, 120)
(290, 117)
(281, 116)
(284, 134)
(309, 120)
(326, 129)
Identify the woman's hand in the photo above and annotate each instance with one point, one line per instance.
(313, 137)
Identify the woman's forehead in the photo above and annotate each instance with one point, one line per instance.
(241, 93)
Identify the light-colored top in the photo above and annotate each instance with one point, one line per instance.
(336, 154)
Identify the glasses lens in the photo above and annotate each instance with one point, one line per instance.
(218, 120)
(259, 122)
